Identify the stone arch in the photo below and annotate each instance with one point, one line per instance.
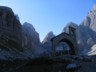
(64, 37)
(72, 49)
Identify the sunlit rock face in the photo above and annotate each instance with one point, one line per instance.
(92, 17)
(90, 23)
(46, 43)
(10, 29)
(90, 20)
(85, 36)
(31, 41)
(88, 31)
(85, 32)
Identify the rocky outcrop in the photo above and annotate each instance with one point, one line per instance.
(88, 30)
(84, 37)
(31, 41)
(92, 17)
(85, 32)
(48, 37)
(46, 43)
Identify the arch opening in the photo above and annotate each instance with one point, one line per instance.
(65, 47)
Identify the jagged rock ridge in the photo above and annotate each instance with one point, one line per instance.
(85, 32)
(27, 39)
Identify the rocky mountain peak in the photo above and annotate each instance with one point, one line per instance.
(28, 26)
(6, 9)
(70, 24)
(50, 34)
(94, 7)
(30, 31)
(87, 31)
(90, 20)
(48, 37)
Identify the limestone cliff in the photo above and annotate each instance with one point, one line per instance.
(10, 29)
(85, 32)
(31, 40)
(10, 34)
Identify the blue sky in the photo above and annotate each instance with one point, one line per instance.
(50, 15)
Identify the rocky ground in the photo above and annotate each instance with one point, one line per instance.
(51, 64)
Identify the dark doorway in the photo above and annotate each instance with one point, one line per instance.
(65, 47)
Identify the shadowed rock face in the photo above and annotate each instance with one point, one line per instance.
(10, 29)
